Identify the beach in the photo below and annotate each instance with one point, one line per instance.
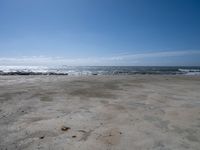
(101, 112)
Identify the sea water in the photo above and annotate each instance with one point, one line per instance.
(97, 70)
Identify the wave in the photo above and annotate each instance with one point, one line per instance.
(29, 70)
(96, 70)
(190, 71)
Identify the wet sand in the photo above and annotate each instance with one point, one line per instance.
(100, 112)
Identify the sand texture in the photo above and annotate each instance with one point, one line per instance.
(100, 112)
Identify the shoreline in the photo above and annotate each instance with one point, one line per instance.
(99, 70)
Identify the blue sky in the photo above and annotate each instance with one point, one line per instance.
(100, 32)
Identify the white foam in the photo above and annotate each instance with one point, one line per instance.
(190, 71)
(7, 69)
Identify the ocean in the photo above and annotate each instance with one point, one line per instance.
(98, 70)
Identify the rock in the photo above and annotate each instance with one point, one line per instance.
(64, 128)
(42, 137)
(74, 136)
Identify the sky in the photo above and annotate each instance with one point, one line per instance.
(100, 32)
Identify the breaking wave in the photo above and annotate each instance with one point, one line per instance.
(96, 70)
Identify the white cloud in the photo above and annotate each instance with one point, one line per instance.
(126, 59)
(157, 54)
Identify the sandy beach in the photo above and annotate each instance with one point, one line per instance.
(141, 112)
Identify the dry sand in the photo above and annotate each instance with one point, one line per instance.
(100, 113)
